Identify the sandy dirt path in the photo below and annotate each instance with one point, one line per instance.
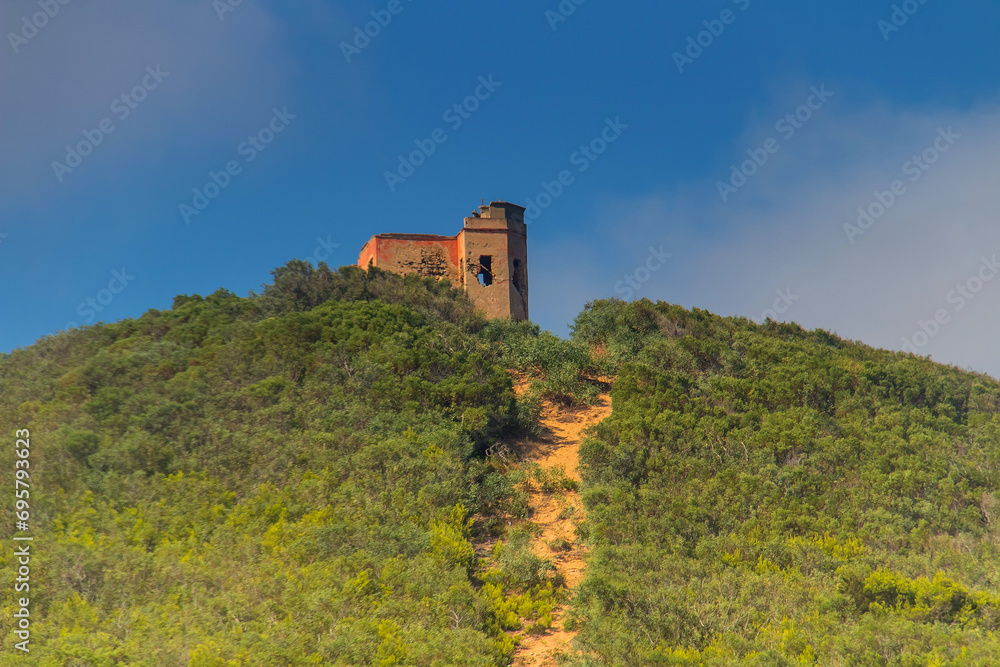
(558, 514)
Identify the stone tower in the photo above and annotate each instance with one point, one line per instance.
(488, 258)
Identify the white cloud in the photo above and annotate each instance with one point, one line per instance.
(784, 230)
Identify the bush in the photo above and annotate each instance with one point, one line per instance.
(767, 495)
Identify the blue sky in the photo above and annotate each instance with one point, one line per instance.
(208, 79)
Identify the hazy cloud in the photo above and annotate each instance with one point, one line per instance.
(784, 231)
(222, 74)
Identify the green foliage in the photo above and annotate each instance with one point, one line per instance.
(524, 595)
(499, 498)
(288, 479)
(937, 600)
(764, 495)
(450, 541)
(519, 568)
(550, 480)
(298, 478)
(563, 370)
(298, 286)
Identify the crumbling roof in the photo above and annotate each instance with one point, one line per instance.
(416, 237)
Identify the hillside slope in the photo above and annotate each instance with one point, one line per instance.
(302, 477)
(763, 495)
(285, 479)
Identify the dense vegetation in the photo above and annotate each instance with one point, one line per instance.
(284, 479)
(763, 495)
(304, 476)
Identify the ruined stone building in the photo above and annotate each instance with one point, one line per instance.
(488, 258)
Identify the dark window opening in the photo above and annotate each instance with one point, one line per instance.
(516, 278)
(486, 270)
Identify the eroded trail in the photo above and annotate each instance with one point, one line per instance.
(558, 514)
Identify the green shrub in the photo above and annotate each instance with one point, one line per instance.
(766, 495)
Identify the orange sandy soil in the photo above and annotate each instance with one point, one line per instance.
(558, 446)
